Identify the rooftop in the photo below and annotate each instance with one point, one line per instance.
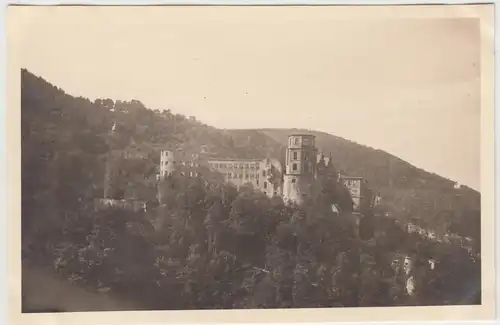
(236, 159)
(351, 177)
(301, 135)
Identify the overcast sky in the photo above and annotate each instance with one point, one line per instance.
(407, 86)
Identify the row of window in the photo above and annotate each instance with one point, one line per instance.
(183, 163)
(240, 165)
(295, 167)
(190, 174)
(296, 141)
(295, 156)
(243, 176)
(252, 175)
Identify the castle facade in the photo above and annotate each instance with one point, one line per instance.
(262, 174)
(293, 181)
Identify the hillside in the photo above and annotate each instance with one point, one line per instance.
(193, 253)
(408, 193)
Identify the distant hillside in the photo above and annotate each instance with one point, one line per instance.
(53, 122)
(408, 192)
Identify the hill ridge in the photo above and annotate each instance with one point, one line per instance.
(407, 191)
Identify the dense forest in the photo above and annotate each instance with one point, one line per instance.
(214, 246)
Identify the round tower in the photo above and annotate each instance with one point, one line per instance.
(300, 167)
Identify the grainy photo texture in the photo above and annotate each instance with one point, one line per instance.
(249, 160)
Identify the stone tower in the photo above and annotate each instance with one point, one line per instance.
(167, 168)
(167, 163)
(300, 167)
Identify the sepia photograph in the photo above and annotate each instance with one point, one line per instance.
(189, 158)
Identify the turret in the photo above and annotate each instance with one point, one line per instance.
(167, 163)
(300, 168)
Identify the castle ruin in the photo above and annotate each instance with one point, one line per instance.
(293, 181)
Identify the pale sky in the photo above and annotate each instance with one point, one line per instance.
(407, 86)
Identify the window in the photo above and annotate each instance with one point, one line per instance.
(294, 180)
(241, 166)
(297, 140)
(229, 175)
(294, 167)
(252, 176)
(263, 173)
(241, 176)
(257, 181)
(295, 156)
(246, 176)
(190, 174)
(265, 185)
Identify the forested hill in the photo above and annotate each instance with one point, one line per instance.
(73, 133)
(193, 253)
(407, 191)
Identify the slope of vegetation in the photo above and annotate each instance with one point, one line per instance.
(212, 246)
(408, 193)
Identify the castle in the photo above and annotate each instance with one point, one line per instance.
(293, 182)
